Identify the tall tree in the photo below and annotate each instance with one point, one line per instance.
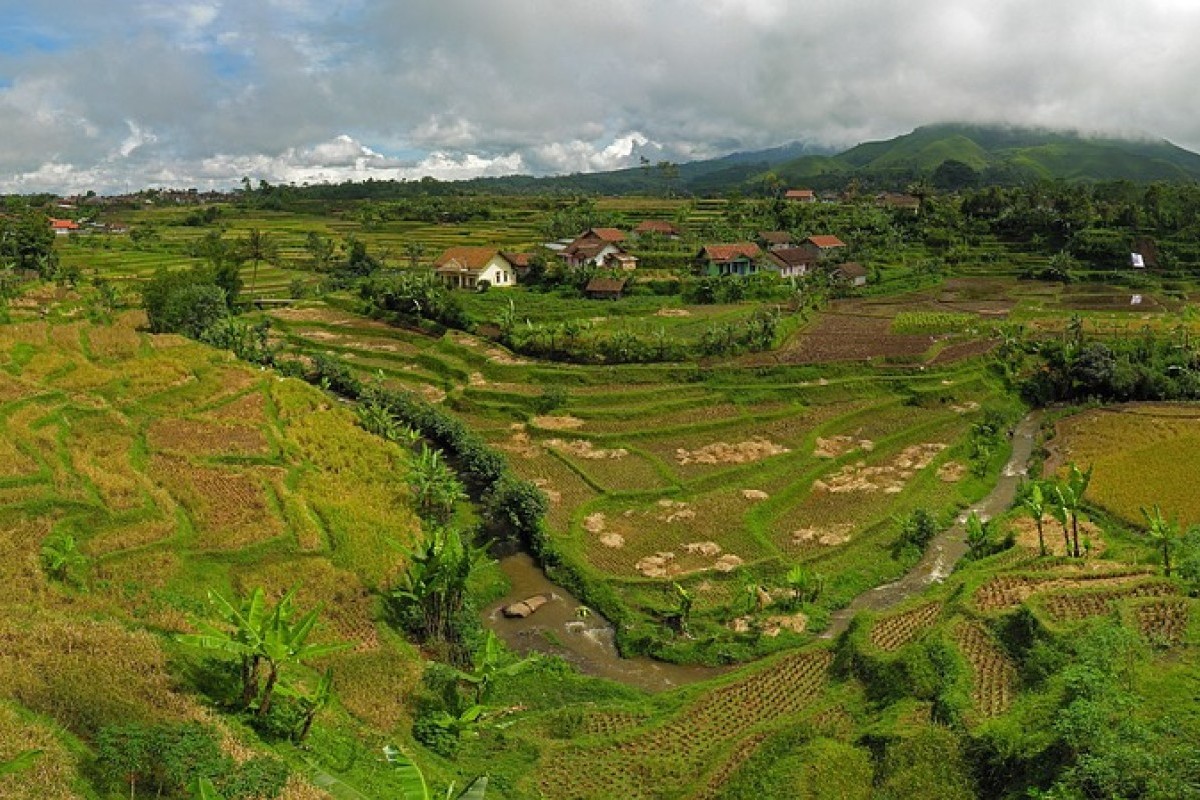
(258, 247)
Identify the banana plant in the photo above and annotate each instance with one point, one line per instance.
(414, 787)
(1164, 533)
(1034, 503)
(203, 790)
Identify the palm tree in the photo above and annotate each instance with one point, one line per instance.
(1069, 497)
(256, 247)
(1034, 502)
(1059, 512)
(1164, 533)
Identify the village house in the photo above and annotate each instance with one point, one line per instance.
(741, 258)
(800, 196)
(792, 262)
(900, 202)
(851, 273)
(605, 288)
(63, 227)
(595, 246)
(823, 246)
(658, 227)
(520, 263)
(774, 240)
(469, 267)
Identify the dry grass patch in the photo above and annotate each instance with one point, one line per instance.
(830, 536)
(730, 453)
(348, 608)
(129, 537)
(230, 507)
(582, 448)
(51, 776)
(952, 472)
(86, 673)
(557, 423)
(889, 477)
(205, 438)
(837, 446)
(113, 342)
(249, 409)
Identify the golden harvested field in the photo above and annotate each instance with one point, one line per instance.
(1143, 454)
(177, 470)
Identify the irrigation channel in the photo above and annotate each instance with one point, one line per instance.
(586, 640)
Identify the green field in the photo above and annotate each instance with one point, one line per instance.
(770, 489)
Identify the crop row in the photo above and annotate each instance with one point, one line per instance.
(891, 633)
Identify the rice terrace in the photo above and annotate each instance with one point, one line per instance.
(310, 492)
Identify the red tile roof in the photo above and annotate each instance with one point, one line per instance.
(793, 256)
(825, 242)
(731, 252)
(660, 226)
(608, 234)
(471, 258)
(799, 194)
(63, 224)
(517, 259)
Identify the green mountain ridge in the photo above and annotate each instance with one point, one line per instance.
(1001, 154)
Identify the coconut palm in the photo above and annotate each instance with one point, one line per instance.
(256, 247)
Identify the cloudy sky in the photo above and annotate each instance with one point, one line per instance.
(123, 94)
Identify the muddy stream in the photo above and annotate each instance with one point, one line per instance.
(563, 627)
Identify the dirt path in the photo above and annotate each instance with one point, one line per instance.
(951, 544)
